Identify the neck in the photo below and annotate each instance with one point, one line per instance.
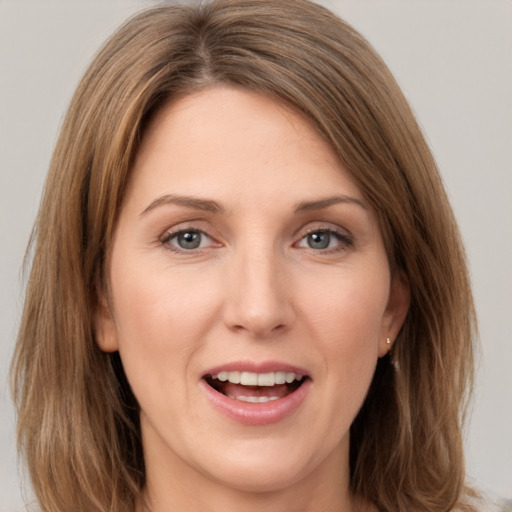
(325, 489)
(210, 500)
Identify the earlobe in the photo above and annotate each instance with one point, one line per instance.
(396, 312)
(104, 326)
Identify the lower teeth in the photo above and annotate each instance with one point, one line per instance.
(254, 399)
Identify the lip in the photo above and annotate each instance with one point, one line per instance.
(255, 414)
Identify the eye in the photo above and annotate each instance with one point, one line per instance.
(322, 239)
(186, 240)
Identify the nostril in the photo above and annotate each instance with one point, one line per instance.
(259, 329)
(258, 305)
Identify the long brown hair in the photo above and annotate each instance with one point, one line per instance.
(78, 420)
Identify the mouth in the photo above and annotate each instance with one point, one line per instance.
(255, 387)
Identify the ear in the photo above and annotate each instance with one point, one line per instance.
(104, 325)
(396, 311)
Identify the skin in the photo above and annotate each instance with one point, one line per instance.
(254, 290)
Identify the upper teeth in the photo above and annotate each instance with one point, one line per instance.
(257, 379)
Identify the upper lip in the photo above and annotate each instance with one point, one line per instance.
(256, 367)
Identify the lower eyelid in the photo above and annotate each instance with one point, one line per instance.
(206, 242)
(168, 236)
(344, 241)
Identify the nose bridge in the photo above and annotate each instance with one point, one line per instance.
(258, 301)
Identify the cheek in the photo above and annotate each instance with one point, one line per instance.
(161, 321)
(346, 320)
(349, 310)
(161, 306)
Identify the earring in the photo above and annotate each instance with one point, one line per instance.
(388, 342)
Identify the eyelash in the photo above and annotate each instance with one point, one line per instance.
(345, 240)
(168, 236)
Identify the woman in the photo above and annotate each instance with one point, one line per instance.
(247, 279)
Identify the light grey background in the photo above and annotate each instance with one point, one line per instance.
(453, 59)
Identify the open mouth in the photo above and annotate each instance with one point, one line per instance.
(255, 387)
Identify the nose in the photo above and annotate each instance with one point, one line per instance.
(258, 295)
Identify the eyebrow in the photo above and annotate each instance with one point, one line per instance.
(320, 204)
(194, 203)
(211, 206)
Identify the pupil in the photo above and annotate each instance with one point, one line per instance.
(189, 240)
(319, 240)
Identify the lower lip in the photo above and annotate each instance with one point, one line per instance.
(264, 413)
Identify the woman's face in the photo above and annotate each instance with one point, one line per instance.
(245, 252)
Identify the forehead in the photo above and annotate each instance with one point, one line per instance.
(229, 138)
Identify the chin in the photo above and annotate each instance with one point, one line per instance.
(264, 467)
(259, 478)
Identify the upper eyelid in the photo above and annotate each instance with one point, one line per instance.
(323, 226)
(176, 231)
(341, 235)
(171, 233)
(344, 236)
(299, 234)
(188, 225)
(327, 229)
